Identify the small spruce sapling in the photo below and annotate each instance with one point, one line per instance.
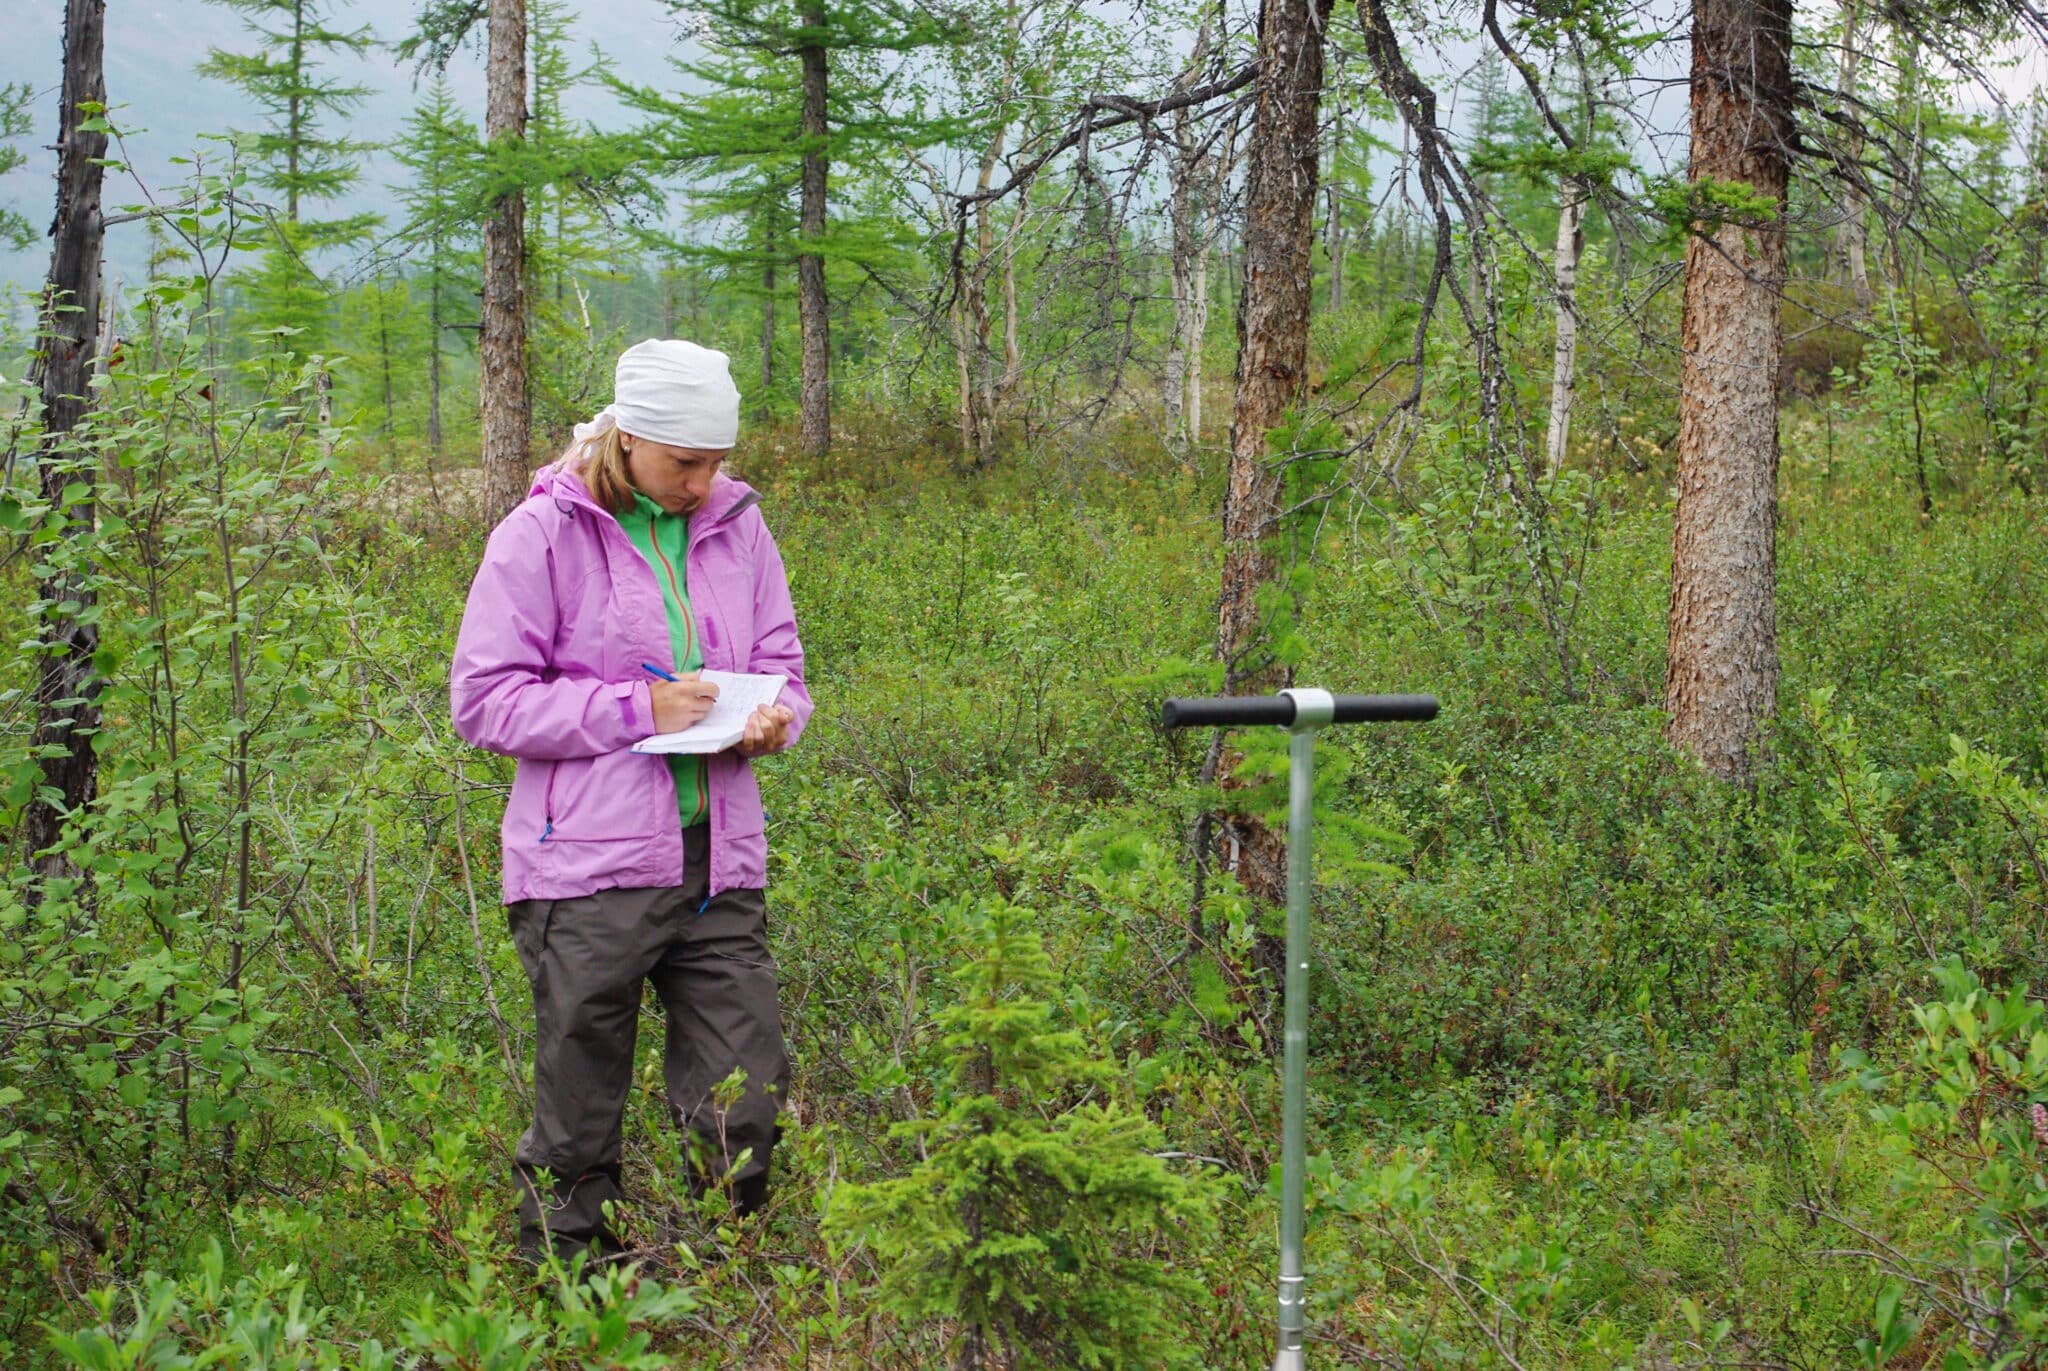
(1046, 1232)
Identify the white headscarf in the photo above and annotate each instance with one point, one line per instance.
(670, 391)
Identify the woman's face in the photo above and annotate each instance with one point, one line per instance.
(676, 478)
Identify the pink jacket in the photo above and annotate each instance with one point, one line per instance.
(547, 669)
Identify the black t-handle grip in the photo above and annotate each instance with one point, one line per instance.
(1239, 711)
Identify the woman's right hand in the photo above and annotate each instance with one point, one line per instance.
(680, 703)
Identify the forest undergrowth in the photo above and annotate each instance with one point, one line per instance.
(1613, 1065)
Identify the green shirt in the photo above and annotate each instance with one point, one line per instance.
(664, 540)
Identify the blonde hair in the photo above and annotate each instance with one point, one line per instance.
(600, 461)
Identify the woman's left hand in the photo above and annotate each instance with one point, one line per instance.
(767, 730)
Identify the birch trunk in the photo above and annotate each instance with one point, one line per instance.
(1272, 372)
(1849, 236)
(963, 370)
(814, 423)
(1571, 245)
(1198, 330)
(501, 336)
(1013, 356)
(1721, 673)
(1190, 235)
(977, 372)
(1186, 238)
(1333, 220)
(67, 686)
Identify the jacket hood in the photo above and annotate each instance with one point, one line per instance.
(559, 482)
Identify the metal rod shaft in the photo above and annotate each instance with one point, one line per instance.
(1294, 1067)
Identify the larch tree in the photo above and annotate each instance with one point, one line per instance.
(736, 146)
(504, 405)
(573, 177)
(299, 155)
(1721, 672)
(16, 231)
(837, 50)
(440, 148)
(67, 639)
(1283, 164)
(501, 336)
(813, 307)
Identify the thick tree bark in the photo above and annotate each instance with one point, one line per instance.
(67, 688)
(507, 415)
(1272, 373)
(1721, 676)
(814, 425)
(1571, 244)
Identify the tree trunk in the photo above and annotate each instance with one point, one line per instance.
(767, 322)
(384, 354)
(814, 425)
(1186, 237)
(1191, 171)
(1571, 243)
(1013, 355)
(501, 344)
(67, 687)
(1721, 675)
(1333, 221)
(434, 355)
(1849, 239)
(295, 113)
(1198, 330)
(963, 368)
(1333, 247)
(1272, 373)
(980, 322)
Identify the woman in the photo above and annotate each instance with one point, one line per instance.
(632, 561)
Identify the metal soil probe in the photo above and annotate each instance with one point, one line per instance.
(1302, 712)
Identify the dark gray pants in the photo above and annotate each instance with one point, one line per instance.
(586, 959)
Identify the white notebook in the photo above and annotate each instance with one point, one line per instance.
(738, 694)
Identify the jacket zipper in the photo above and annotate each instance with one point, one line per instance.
(706, 801)
(689, 628)
(689, 639)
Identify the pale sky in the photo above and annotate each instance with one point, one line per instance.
(155, 46)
